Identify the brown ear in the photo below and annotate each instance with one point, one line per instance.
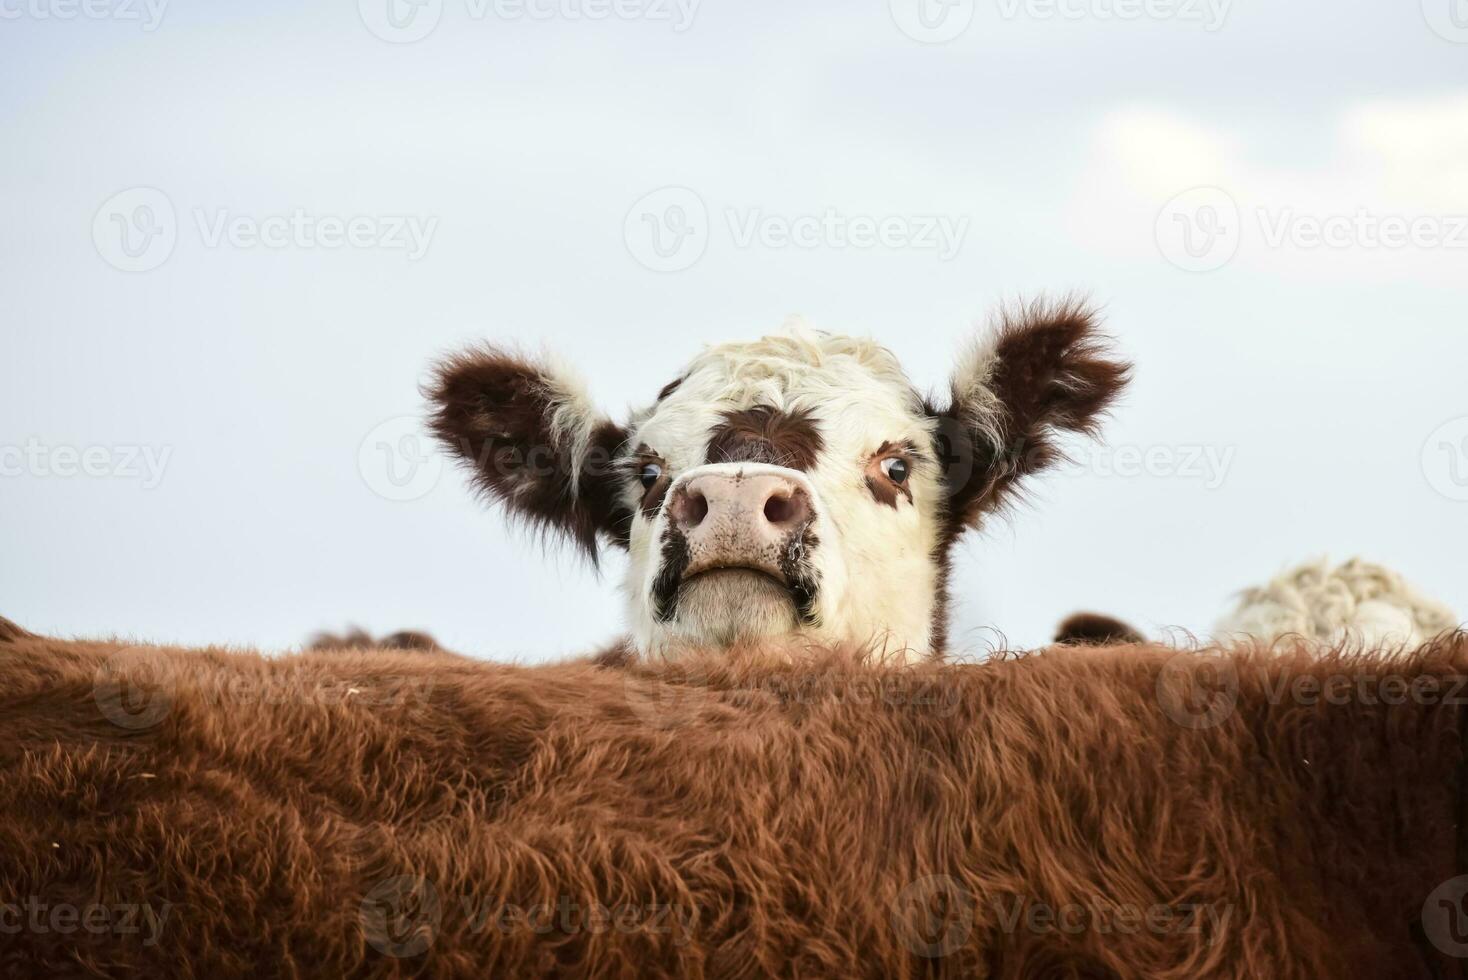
(1096, 629)
(532, 441)
(1044, 371)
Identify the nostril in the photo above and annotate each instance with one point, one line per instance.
(777, 509)
(691, 508)
(788, 508)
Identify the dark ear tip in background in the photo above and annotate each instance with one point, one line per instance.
(1095, 629)
(358, 639)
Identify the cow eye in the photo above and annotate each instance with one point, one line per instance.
(895, 468)
(649, 474)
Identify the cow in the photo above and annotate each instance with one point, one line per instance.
(1356, 602)
(796, 488)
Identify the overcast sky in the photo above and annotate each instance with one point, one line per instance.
(235, 236)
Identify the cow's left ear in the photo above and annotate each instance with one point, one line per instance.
(1045, 370)
(533, 441)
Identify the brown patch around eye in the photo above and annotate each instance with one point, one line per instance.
(652, 496)
(764, 434)
(884, 489)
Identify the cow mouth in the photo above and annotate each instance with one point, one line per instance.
(714, 572)
(744, 590)
(723, 587)
(727, 604)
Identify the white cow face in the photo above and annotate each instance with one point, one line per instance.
(797, 486)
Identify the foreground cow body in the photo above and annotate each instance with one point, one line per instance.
(1130, 813)
(796, 487)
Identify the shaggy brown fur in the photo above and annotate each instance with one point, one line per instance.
(394, 814)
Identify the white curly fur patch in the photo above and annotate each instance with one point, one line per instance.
(1357, 602)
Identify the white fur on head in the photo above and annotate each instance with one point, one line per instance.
(573, 415)
(1357, 602)
(877, 563)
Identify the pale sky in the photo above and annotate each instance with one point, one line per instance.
(236, 238)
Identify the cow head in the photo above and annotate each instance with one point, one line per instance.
(795, 486)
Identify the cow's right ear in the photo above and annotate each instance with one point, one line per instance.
(532, 440)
